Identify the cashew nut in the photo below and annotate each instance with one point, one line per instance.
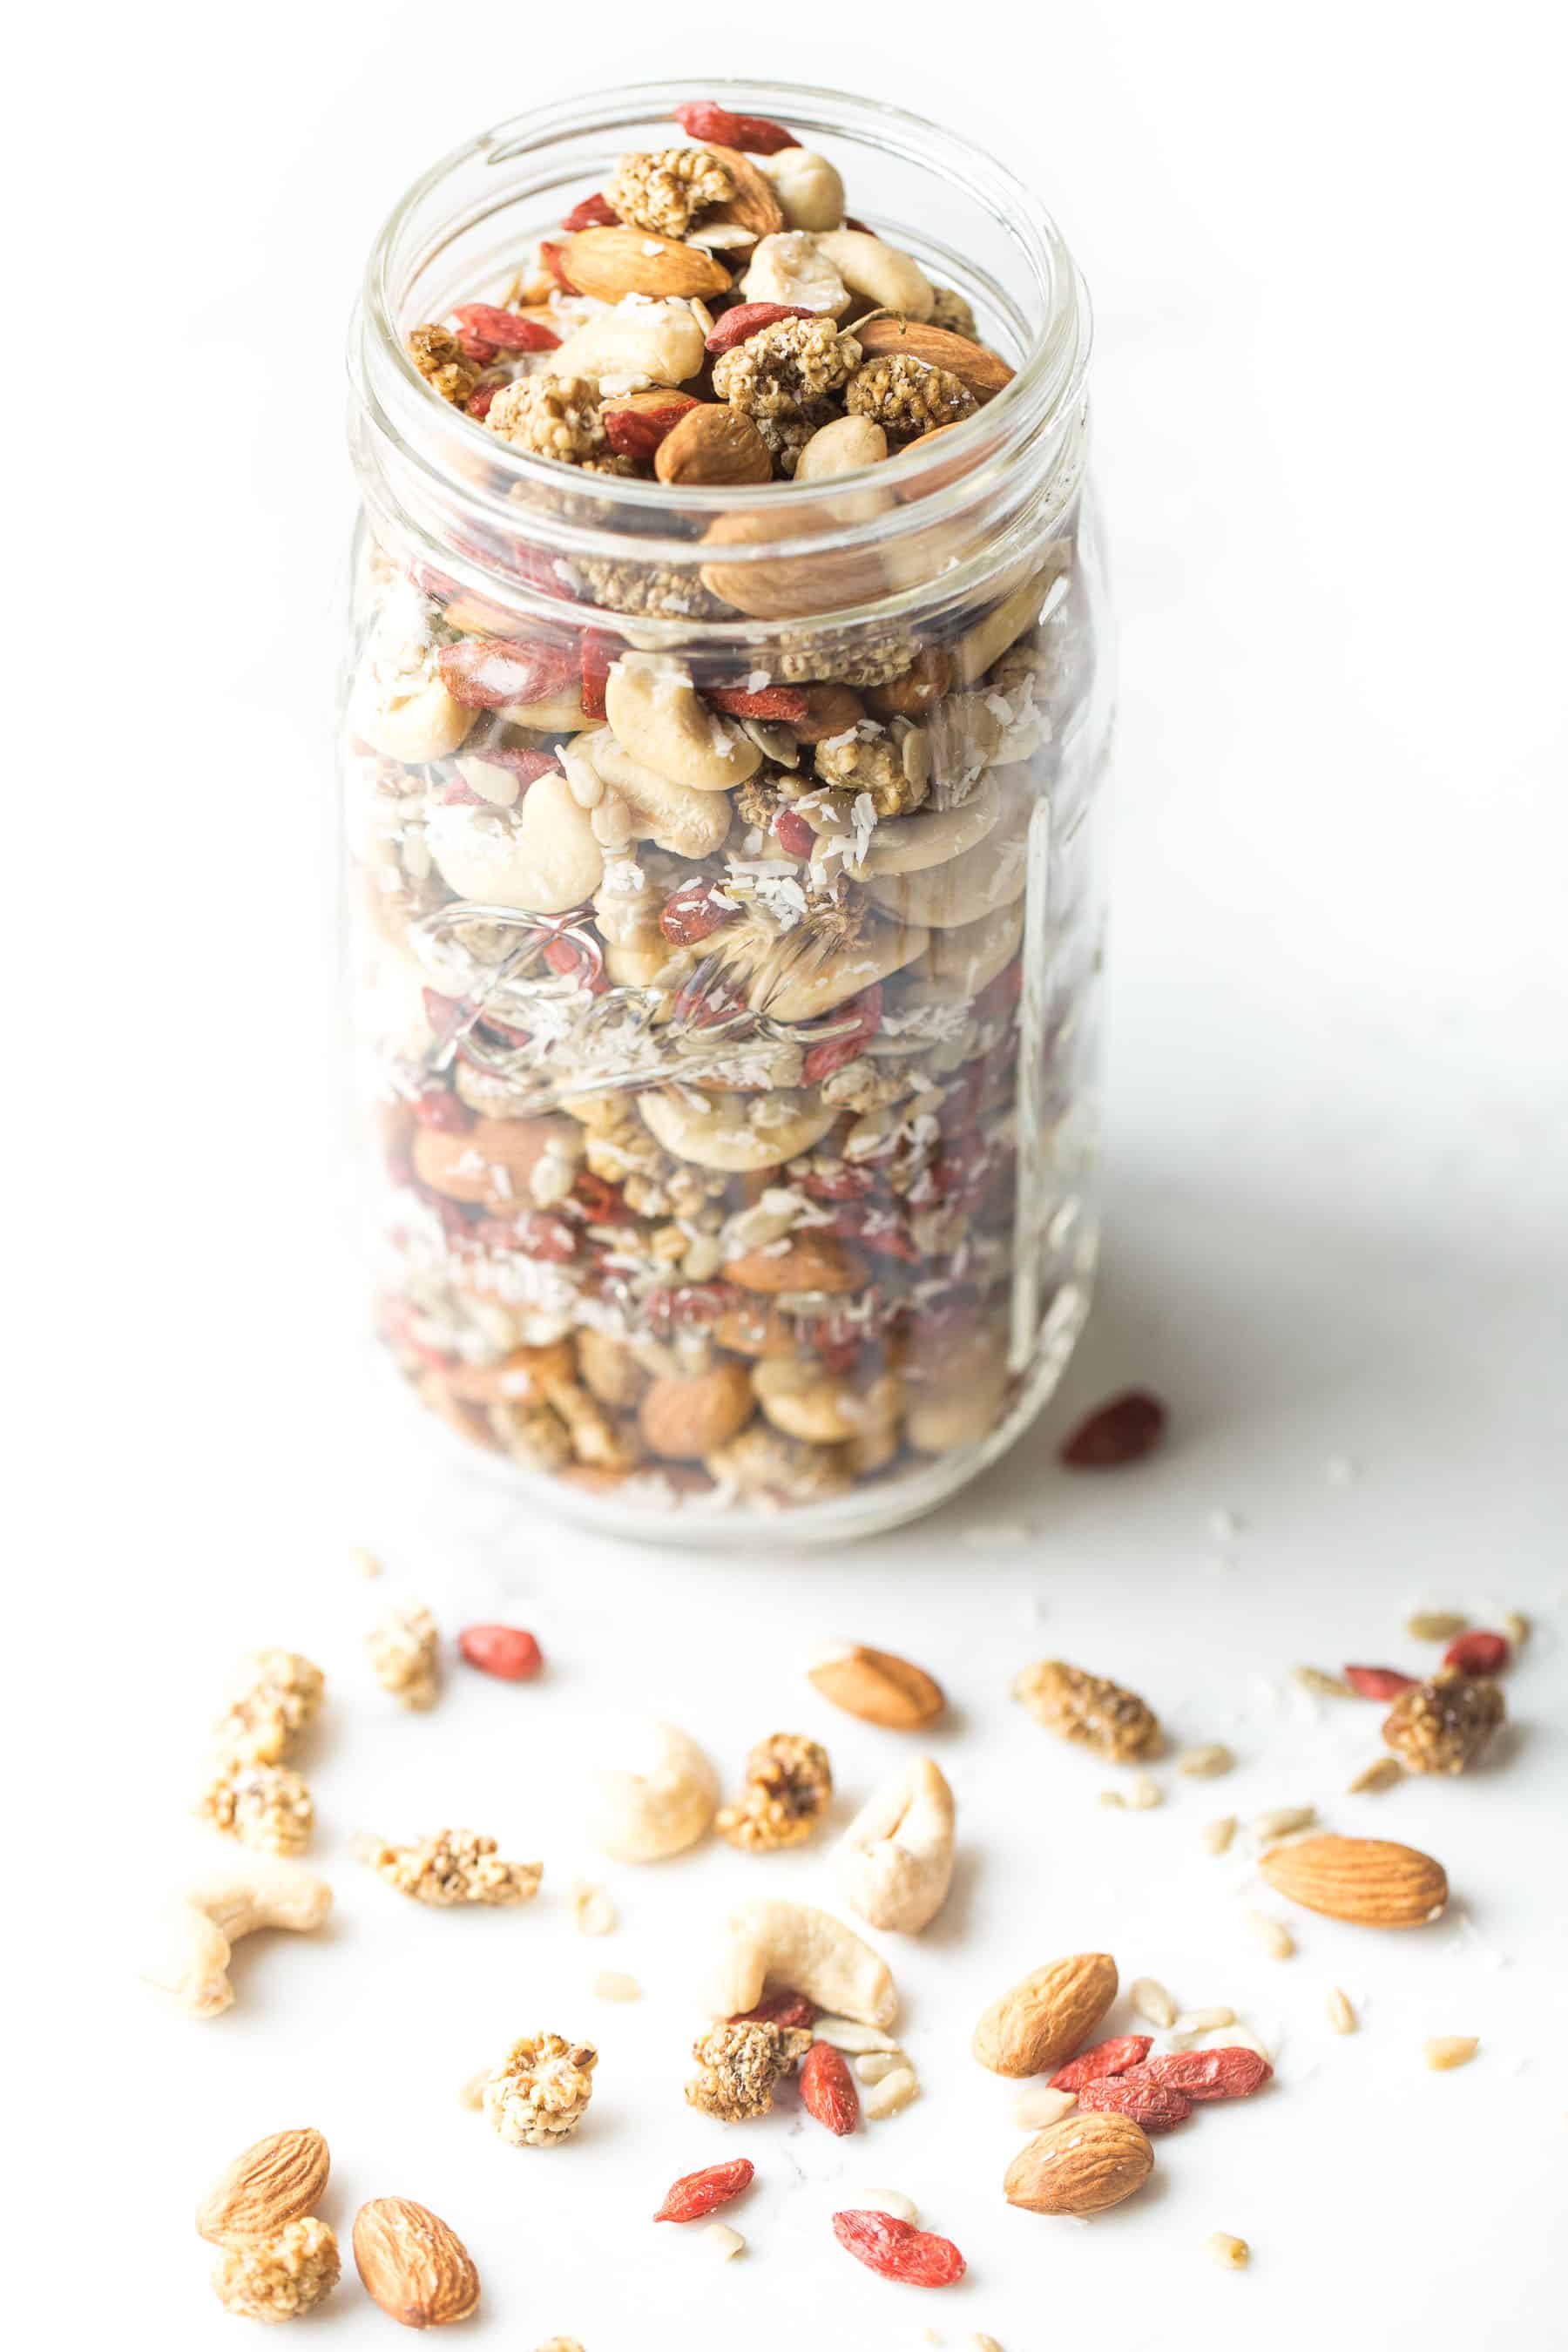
(907, 845)
(959, 964)
(661, 1808)
(201, 1928)
(807, 186)
(550, 715)
(793, 268)
(974, 652)
(803, 989)
(964, 1401)
(897, 1851)
(805, 1402)
(977, 882)
(660, 341)
(843, 447)
(427, 724)
(791, 1946)
(541, 857)
(892, 279)
(660, 722)
(641, 803)
(741, 1133)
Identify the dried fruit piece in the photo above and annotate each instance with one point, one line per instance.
(1232, 2073)
(1443, 1725)
(1122, 1430)
(637, 424)
(275, 2180)
(877, 1686)
(753, 134)
(1042, 2018)
(780, 2008)
(1082, 2165)
(1367, 1880)
(1112, 2057)
(1446, 2051)
(827, 2089)
(1476, 1654)
(745, 319)
(487, 673)
(738, 2067)
(785, 702)
(593, 212)
(1378, 1682)
(1152, 2107)
(413, 2264)
(897, 2250)
(493, 330)
(1088, 1709)
(504, 1651)
(697, 2193)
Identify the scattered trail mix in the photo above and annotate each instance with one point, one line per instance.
(724, 1144)
(455, 1866)
(740, 2065)
(1444, 1725)
(539, 2091)
(1088, 1710)
(789, 1783)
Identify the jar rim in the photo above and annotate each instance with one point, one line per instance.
(934, 482)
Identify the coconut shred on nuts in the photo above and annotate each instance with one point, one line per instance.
(729, 1162)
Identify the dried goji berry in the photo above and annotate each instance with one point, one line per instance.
(792, 833)
(445, 1113)
(553, 257)
(534, 1233)
(637, 432)
(494, 330)
(865, 1012)
(748, 319)
(577, 959)
(691, 1305)
(1378, 1682)
(602, 1203)
(897, 2250)
(1112, 2057)
(596, 660)
(827, 2089)
(851, 222)
(1129, 1426)
(780, 2008)
(845, 1184)
(1476, 1654)
(504, 1651)
(593, 212)
(1232, 2073)
(487, 673)
(786, 702)
(479, 401)
(696, 2193)
(1158, 2106)
(689, 914)
(704, 118)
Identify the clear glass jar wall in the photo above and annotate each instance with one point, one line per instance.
(723, 925)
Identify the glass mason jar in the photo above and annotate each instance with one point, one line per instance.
(723, 926)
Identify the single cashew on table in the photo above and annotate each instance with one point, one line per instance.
(725, 927)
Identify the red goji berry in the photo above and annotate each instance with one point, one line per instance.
(688, 914)
(844, 1183)
(1476, 1654)
(1158, 2106)
(596, 662)
(637, 432)
(602, 1203)
(753, 134)
(780, 2008)
(593, 212)
(504, 1651)
(827, 2089)
(494, 330)
(1234, 2073)
(696, 2193)
(478, 402)
(1121, 1431)
(487, 673)
(897, 2250)
(575, 960)
(1112, 2057)
(442, 1113)
(865, 1010)
(748, 319)
(851, 222)
(786, 702)
(1378, 1682)
(792, 833)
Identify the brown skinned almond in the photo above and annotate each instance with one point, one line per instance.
(1046, 2015)
(984, 371)
(413, 2264)
(1082, 2165)
(609, 262)
(1368, 1881)
(878, 1687)
(277, 2180)
(714, 445)
(753, 204)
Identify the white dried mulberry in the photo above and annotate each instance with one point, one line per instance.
(539, 2091)
(664, 193)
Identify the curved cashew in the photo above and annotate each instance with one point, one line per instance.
(793, 268)
(892, 279)
(803, 989)
(907, 845)
(660, 341)
(805, 1402)
(959, 964)
(807, 186)
(974, 652)
(203, 1924)
(660, 1810)
(411, 727)
(964, 1401)
(649, 806)
(978, 881)
(790, 1946)
(541, 857)
(897, 1851)
(660, 722)
(741, 1133)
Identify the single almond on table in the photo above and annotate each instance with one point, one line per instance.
(713, 445)
(412, 2265)
(1045, 2016)
(278, 2180)
(984, 371)
(1082, 2165)
(1369, 1881)
(607, 263)
(879, 1688)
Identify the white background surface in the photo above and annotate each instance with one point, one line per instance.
(1329, 402)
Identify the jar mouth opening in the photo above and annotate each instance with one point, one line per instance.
(636, 518)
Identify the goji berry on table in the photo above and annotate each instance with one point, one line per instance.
(1476, 1654)
(1378, 1682)
(504, 1651)
(827, 2089)
(747, 318)
(897, 2250)
(1232, 2073)
(1112, 2057)
(1156, 2107)
(697, 2193)
(1122, 1430)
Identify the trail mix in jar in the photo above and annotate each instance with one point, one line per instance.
(695, 954)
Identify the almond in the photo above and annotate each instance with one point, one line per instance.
(783, 588)
(412, 2265)
(609, 262)
(681, 1420)
(1045, 2017)
(1369, 1881)
(879, 1688)
(1080, 2165)
(754, 206)
(278, 2180)
(808, 1261)
(984, 371)
(714, 445)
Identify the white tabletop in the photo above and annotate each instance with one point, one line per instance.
(1334, 1180)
